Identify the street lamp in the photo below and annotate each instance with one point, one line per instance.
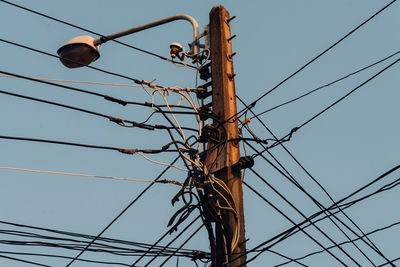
(83, 50)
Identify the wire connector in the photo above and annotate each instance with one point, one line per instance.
(128, 151)
(112, 99)
(209, 132)
(243, 163)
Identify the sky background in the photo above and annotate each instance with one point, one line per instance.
(344, 149)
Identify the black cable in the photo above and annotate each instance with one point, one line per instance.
(346, 95)
(62, 257)
(119, 121)
(106, 97)
(320, 206)
(384, 188)
(304, 216)
(374, 76)
(98, 247)
(122, 150)
(24, 261)
(343, 243)
(92, 32)
(122, 212)
(328, 84)
(318, 56)
(136, 81)
(169, 243)
(286, 257)
(85, 236)
(55, 56)
(183, 244)
(335, 204)
(290, 220)
(391, 262)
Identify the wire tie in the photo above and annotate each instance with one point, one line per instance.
(246, 121)
(116, 120)
(128, 151)
(112, 99)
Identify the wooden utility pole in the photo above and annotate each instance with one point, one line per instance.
(219, 161)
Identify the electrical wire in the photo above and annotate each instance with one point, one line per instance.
(284, 215)
(55, 56)
(315, 58)
(320, 206)
(341, 244)
(371, 78)
(169, 243)
(304, 216)
(24, 261)
(181, 246)
(62, 257)
(95, 33)
(334, 205)
(122, 150)
(97, 244)
(121, 213)
(160, 163)
(345, 96)
(94, 176)
(327, 85)
(119, 121)
(286, 257)
(72, 81)
(186, 89)
(106, 97)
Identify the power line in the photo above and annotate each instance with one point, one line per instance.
(183, 244)
(122, 212)
(73, 81)
(319, 205)
(328, 84)
(119, 121)
(92, 32)
(280, 143)
(139, 82)
(345, 96)
(106, 97)
(186, 89)
(169, 243)
(50, 82)
(304, 216)
(62, 257)
(122, 150)
(24, 261)
(93, 176)
(155, 248)
(290, 220)
(286, 257)
(55, 56)
(315, 58)
(335, 204)
(343, 243)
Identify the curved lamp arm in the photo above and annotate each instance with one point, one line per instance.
(194, 48)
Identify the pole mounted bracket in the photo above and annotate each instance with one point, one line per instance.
(243, 163)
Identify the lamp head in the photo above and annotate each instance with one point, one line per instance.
(78, 52)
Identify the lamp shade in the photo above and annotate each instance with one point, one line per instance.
(78, 52)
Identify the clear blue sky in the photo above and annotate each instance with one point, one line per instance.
(344, 149)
